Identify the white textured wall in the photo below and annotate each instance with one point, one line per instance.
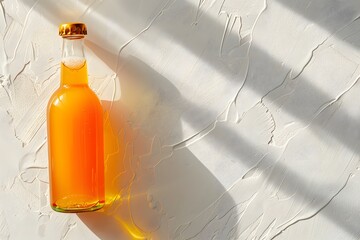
(225, 119)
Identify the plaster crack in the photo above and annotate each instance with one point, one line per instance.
(4, 13)
(253, 227)
(197, 136)
(268, 110)
(5, 84)
(263, 97)
(7, 29)
(68, 228)
(202, 133)
(198, 14)
(4, 227)
(250, 42)
(22, 32)
(21, 71)
(87, 10)
(317, 212)
(47, 79)
(322, 43)
(230, 212)
(224, 33)
(203, 228)
(273, 121)
(12, 95)
(166, 6)
(331, 102)
(310, 58)
(267, 231)
(228, 27)
(253, 169)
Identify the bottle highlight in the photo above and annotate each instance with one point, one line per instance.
(75, 132)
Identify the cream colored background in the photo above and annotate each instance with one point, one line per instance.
(225, 119)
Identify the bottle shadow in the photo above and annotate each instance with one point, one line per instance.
(152, 190)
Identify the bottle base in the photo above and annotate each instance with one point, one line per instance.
(76, 205)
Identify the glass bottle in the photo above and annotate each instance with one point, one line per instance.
(75, 132)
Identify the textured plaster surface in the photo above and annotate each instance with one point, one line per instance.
(224, 119)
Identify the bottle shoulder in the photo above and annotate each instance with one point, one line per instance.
(78, 95)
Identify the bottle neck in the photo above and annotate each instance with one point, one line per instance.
(73, 62)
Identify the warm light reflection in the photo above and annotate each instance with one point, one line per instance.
(129, 130)
(118, 173)
(134, 231)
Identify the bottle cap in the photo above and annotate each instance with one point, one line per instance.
(72, 30)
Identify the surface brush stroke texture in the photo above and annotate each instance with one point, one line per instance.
(224, 119)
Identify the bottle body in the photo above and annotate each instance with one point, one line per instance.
(75, 142)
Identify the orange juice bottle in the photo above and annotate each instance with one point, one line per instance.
(75, 132)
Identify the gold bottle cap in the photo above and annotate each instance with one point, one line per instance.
(72, 30)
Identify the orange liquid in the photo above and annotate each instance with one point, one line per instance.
(76, 147)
